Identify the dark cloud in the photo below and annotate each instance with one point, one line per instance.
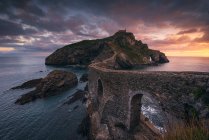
(8, 28)
(71, 20)
(187, 31)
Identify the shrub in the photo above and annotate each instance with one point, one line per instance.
(193, 131)
(198, 92)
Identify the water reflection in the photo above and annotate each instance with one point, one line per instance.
(199, 64)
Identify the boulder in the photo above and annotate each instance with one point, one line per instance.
(78, 95)
(55, 82)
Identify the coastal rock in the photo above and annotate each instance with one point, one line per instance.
(158, 57)
(81, 53)
(78, 95)
(55, 82)
(28, 84)
(84, 77)
(123, 45)
(86, 88)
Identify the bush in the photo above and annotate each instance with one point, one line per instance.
(198, 92)
(193, 131)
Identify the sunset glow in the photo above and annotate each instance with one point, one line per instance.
(179, 28)
(6, 49)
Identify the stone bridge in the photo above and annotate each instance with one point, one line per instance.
(115, 97)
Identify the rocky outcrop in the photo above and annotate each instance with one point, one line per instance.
(81, 53)
(78, 95)
(129, 52)
(159, 57)
(28, 84)
(84, 77)
(55, 82)
(123, 61)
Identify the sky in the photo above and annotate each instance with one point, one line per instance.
(176, 27)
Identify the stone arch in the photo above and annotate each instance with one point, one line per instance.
(135, 110)
(100, 89)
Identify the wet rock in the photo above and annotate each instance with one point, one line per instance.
(84, 127)
(28, 84)
(55, 82)
(84, 77)
(74, 108)
(26, 98)
(78, 95)
(86, 88)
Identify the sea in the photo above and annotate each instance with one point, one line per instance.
(49, 119)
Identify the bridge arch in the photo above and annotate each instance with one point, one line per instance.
(134, 110)
(100, 89)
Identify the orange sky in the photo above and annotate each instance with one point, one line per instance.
(177, 27)
(175, 42)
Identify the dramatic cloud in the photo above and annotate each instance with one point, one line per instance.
(187, 31)
(169, 25)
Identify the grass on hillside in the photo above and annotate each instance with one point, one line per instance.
(194, 131)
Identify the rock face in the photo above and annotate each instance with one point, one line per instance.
(52, 84)
(129, 52)
(123, 61)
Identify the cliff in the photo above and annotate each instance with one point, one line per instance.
(128, 52)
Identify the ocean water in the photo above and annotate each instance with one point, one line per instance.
(200, 64)
(49, 119)
(43, 119)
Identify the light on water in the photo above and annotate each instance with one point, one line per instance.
(42, 119)
(200, 64)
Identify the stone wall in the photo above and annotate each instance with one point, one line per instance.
(120, 95)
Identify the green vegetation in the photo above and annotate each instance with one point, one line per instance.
(198, 92)
(194, 131)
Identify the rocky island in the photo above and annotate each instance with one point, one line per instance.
(128, 52)
(55, 82)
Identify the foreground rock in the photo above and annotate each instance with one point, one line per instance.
(79, 95)
(28, 84)
(84, 77)
(129, 52)
(55, 82)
